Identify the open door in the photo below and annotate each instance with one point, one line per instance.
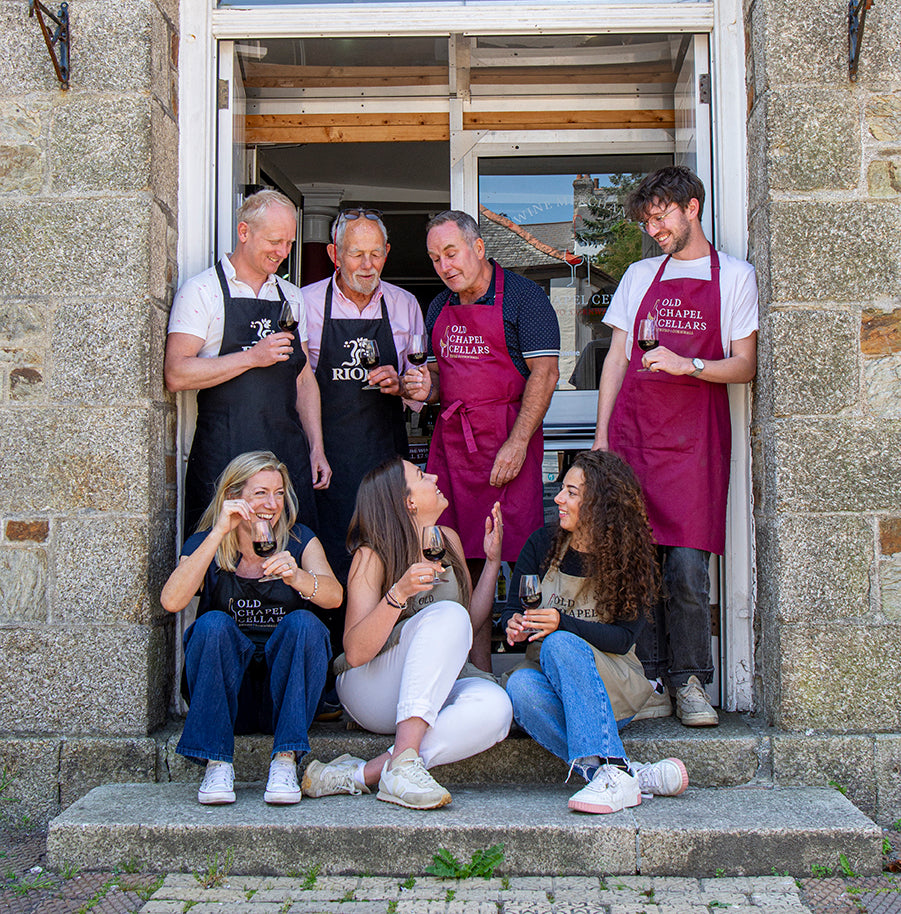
(231, 155)
(691, 100)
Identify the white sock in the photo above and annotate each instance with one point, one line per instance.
(359, 778)
(284, 757)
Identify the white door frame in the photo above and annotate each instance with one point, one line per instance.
(202, 25)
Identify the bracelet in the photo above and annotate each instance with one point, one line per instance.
(391, 598)
(315, 585)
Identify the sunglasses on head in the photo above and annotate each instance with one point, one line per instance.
(350, 215)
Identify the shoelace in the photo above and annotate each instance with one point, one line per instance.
(694, 692)
(219, 777)
(649, 779)
(283, 775)
(416, 772)
(333, 778)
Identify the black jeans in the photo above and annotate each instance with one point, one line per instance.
(677, 644)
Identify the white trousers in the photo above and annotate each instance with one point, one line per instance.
(418, 678)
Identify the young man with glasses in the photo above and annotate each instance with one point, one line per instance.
(361, 427)
(666, 411)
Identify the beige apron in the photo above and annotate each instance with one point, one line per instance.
(443, 590)
(622, 674)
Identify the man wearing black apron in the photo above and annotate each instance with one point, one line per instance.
(361, 428)
(255, 388)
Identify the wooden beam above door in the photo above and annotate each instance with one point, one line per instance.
(398, 127)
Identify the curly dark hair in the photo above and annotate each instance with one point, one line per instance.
(673, 184)
(620, 561)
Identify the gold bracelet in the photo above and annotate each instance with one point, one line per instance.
(313, 575)
(392, 599)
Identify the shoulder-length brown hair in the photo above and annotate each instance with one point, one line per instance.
(383, 522)
(230, 484)
(619, 558)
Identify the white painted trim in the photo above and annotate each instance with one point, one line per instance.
(344, 20)
(731, 228)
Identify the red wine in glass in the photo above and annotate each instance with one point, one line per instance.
(264, 543)
(286, 319)
(433, 546)
(418, 351)
(369, 359)
(647, 336)
(530, 593)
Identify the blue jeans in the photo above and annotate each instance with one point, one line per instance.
(282, 701)
(564, 705)
(677, 644)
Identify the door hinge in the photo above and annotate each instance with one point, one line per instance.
(704, 88)
(222, 95)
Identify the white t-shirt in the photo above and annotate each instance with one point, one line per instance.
(738, 294)
(198, 307)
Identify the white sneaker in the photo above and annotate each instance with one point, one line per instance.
(693, 706)
(328, 779)
(282, 788)
(610, 790)
(218, 785)
(406, 781)
(666, 778)
(658, 705)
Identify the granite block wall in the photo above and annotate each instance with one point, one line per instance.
(88, 217)
(825, 223)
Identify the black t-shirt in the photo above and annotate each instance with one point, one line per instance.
(614, 637)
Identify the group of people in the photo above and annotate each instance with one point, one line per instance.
(287, 433)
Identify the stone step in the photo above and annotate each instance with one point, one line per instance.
(704, 832)
(725, 756)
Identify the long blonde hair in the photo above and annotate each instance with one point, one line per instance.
(382, 522)
(230, 484)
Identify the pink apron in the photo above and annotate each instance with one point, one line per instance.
(674, 430)
(481, 391)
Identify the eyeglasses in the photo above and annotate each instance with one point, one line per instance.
(351, 215)
(656, 222)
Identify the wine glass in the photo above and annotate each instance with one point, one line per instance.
(264, 542)
(369, 359)
(433, 547)
(419, 350)
(647, 336)
(286, 319)
(530, 593)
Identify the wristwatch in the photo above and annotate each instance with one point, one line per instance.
(699, 367)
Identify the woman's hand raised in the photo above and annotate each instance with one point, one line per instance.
(494, 534)
(234, 510)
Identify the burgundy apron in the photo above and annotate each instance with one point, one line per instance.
(481, 392)
(674, 430)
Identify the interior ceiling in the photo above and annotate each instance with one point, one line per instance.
(415, 175)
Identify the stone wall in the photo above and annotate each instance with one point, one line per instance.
(88, 206)
(825, 224)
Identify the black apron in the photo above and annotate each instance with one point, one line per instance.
(255, 411)
(361, 428)
(257, 607)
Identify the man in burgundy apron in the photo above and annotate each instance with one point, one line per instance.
(488, 443)
(255, 389)
(666, 411)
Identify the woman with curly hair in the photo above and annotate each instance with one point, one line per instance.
(581, 681)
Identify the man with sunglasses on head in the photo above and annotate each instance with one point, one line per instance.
(666, 411)
(361, 427)
(255, 387)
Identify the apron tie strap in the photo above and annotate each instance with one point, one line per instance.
(467, 425)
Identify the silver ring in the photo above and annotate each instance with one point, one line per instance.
(422, 579)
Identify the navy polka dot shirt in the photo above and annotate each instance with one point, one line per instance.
(530, 323)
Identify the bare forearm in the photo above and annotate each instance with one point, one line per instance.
(536, 398)
(614, 371)
(309, 408)
(195, 373)
(481, 603)
(185, 580)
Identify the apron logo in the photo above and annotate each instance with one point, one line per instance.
(673, 317)
(558, 601)
(263, 328)
(255, 614)
(457, 343)
(350, 369)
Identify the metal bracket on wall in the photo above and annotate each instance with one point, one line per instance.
(60, 37)
(857, 14)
